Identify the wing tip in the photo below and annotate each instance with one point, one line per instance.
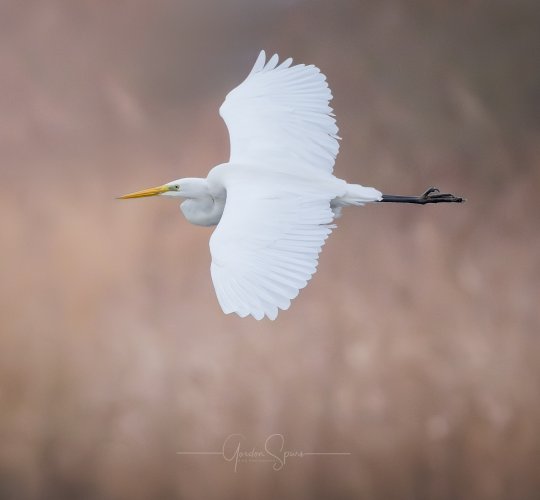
(263, 65)
(259, 63)
(272, 63)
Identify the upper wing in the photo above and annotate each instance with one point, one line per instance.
(266, 246)
(279, 117)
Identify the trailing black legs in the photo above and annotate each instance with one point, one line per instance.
(432, 195)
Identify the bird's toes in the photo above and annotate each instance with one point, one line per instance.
(430, 191)
(433, 195)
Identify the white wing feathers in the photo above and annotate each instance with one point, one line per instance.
(282, 113)
(279, 187)
(266, 247)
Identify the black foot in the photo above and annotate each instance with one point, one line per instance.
(432, 195)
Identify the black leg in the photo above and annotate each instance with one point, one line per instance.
(432, 195)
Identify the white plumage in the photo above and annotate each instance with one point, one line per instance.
(276, 219)
(265, 248)
(280, 115)
(276, 198)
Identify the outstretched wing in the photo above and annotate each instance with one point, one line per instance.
(279, 117)
(266, 246)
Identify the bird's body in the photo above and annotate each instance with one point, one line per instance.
(275, 200)
(205, 198)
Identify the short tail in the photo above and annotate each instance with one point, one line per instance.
(356, 195)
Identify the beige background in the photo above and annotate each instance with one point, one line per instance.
(416, 345)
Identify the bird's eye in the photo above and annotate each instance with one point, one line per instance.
(177, 187)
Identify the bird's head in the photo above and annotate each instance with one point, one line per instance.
(173, 188)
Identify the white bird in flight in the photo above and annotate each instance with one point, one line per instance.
(274, 201)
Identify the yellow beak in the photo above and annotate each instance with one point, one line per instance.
(145, 192)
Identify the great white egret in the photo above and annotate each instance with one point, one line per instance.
(274, 201)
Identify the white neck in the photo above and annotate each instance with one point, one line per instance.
(199, 207)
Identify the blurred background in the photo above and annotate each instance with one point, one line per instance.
(416, 346)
